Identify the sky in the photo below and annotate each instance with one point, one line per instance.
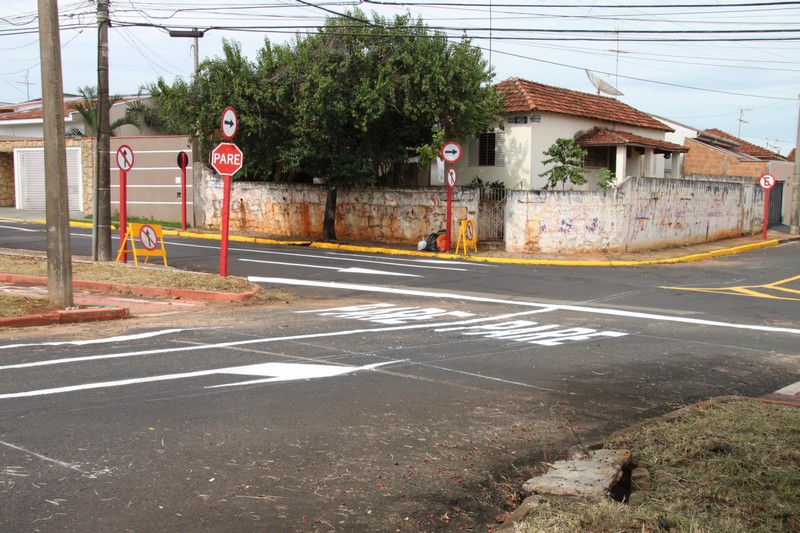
(727, 64)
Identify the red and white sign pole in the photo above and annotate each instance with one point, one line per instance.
(124, 163)
(227, 159)
(451, 152)
(767, 182)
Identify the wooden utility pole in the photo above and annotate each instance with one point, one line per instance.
(59, 252)
(102, 177)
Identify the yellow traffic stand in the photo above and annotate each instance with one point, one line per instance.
(151, 243)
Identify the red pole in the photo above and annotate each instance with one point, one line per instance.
(449, 215)
(123, 212)
(226, 203)
(766, 212)
(183, 197)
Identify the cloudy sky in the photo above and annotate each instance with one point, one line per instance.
(727, 64)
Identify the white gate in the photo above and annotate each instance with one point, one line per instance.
(29, 178)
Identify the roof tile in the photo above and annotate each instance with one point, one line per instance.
(523, 95)
(601, 136)
(744, 146)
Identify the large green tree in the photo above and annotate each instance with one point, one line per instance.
(348, 104)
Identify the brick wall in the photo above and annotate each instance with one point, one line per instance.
(705, 160)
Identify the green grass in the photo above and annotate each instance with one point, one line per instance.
(11, 306)
(729, 467)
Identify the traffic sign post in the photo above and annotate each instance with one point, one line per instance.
(227, 159)
(124, 163)
(451, 153)
(767, 182)
(183, 162)
(451, 182)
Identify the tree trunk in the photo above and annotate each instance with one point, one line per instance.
(329, 220)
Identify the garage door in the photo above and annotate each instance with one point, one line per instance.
(29, 178)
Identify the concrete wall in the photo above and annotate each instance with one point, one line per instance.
(296, 211)
(154, 182)
(643, 213)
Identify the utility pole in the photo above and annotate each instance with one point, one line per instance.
(59, 252)
(794, 217)
(197, 174)
(101, 227)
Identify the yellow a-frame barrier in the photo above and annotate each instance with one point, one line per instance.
(467, 236)
(151, 243)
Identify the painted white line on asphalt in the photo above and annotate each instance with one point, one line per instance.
(229, 344)
(120, 338)
(790, 390)
(279, 371)
(69, 466)
(328, 257)
(351, 270)
(482, 299)
(22, 229)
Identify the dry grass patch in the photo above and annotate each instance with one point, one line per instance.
(125, 274)
(12, 306)
(731, 467)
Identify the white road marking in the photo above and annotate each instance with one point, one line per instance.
(21, 229)
(245, 342)
(482, 299)
(278, 371)
(334, 255)
(351, 270)
(120, 338)
(69, 466)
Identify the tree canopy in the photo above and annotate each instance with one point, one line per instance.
(348, 104)
(567, 157)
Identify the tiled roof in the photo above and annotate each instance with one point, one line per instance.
(32, 113)
(525, 96)
(790, 157)
(600, 136)
(742, 146)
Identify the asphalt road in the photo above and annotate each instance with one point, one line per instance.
(394, 394)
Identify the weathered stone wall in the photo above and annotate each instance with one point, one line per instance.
(7, 198)
(663, 213)
(643, 213)
(562, 222)
(381, 215)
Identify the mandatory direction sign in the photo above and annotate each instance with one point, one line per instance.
(451, 152)
(227, 159)
(229, 123)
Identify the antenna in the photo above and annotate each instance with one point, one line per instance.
(28, 86)
(742, 120)
(601, 85)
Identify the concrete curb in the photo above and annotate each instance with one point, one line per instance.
(140, 290)
(496, 260)
(67, 316)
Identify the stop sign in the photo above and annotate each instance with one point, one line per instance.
(226, 159)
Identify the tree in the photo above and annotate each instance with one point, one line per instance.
(372, 93)
(567, 157)
(348, 104)
(87, 109)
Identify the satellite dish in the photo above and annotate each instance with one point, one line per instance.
(601, 85)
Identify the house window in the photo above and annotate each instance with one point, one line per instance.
(601, 157)
(488, 150)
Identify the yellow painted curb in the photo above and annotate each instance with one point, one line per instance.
(417, 253)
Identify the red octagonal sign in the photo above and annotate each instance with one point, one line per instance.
(227, 159)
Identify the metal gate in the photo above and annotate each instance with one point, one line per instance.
(775, 204)
(491, 214)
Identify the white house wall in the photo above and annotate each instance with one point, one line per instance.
(525, 145)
